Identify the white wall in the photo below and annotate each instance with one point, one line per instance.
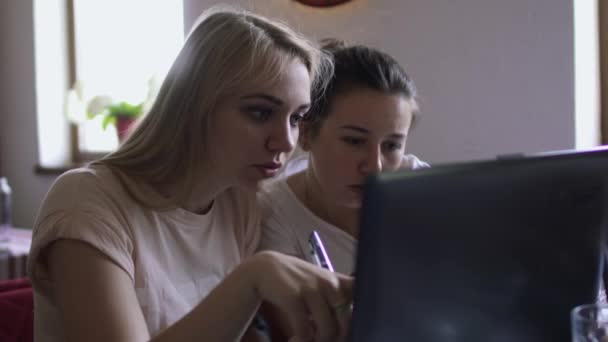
(494, 76)
(18, 130)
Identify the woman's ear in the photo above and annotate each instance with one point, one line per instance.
(305, 136)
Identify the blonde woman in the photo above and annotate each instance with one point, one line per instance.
(155, 241)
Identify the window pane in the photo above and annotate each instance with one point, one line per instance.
(120, 45)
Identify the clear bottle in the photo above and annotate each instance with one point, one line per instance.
(5, 207)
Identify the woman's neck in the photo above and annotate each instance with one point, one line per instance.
(310, 193)
(201, 198)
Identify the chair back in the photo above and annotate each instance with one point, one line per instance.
(16, 311)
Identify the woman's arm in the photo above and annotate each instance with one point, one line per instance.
(97, 300)
(95, 297)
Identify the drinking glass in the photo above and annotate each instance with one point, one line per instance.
(590, 323)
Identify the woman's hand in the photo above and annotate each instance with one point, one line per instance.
(97, 300)
(315, 300)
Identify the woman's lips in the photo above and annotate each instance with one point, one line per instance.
(268, 170)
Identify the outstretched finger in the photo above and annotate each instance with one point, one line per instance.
(343, 315)
(298, 316)
(346, 285)
(343, 310)
(325, 323)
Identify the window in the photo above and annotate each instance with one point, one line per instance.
(122, 49)
(114, 48)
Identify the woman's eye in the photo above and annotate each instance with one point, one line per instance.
(392, 146)
(295, 119)
(354, 141)
(259, 114)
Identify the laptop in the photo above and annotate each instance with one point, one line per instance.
(492, 251)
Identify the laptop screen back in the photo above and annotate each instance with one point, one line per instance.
(482, 251)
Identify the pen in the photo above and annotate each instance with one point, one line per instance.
(320, 258)
(318, 252)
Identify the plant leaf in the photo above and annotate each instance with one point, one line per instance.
(125, 109)
(108, 119)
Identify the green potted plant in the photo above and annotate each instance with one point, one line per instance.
(121, 114)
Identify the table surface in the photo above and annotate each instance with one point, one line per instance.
(17, 241)
(14, 249)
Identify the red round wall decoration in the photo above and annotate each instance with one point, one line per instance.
(322, 3)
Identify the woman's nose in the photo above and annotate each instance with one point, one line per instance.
(283, 138)
(372, 162)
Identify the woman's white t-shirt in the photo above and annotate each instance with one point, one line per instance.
(173, 257)
(287, 223)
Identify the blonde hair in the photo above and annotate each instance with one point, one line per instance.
(226, 51)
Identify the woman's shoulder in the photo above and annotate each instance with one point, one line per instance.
(92, 188)
(274, 190)
(81, 205)
(412, 162)
(284, 190)
(80, 180)
(278, 198)
(282, 206)
(89, 174)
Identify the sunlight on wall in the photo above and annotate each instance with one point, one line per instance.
(587, 74)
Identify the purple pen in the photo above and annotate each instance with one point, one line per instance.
(318, 252)
(320, 258)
